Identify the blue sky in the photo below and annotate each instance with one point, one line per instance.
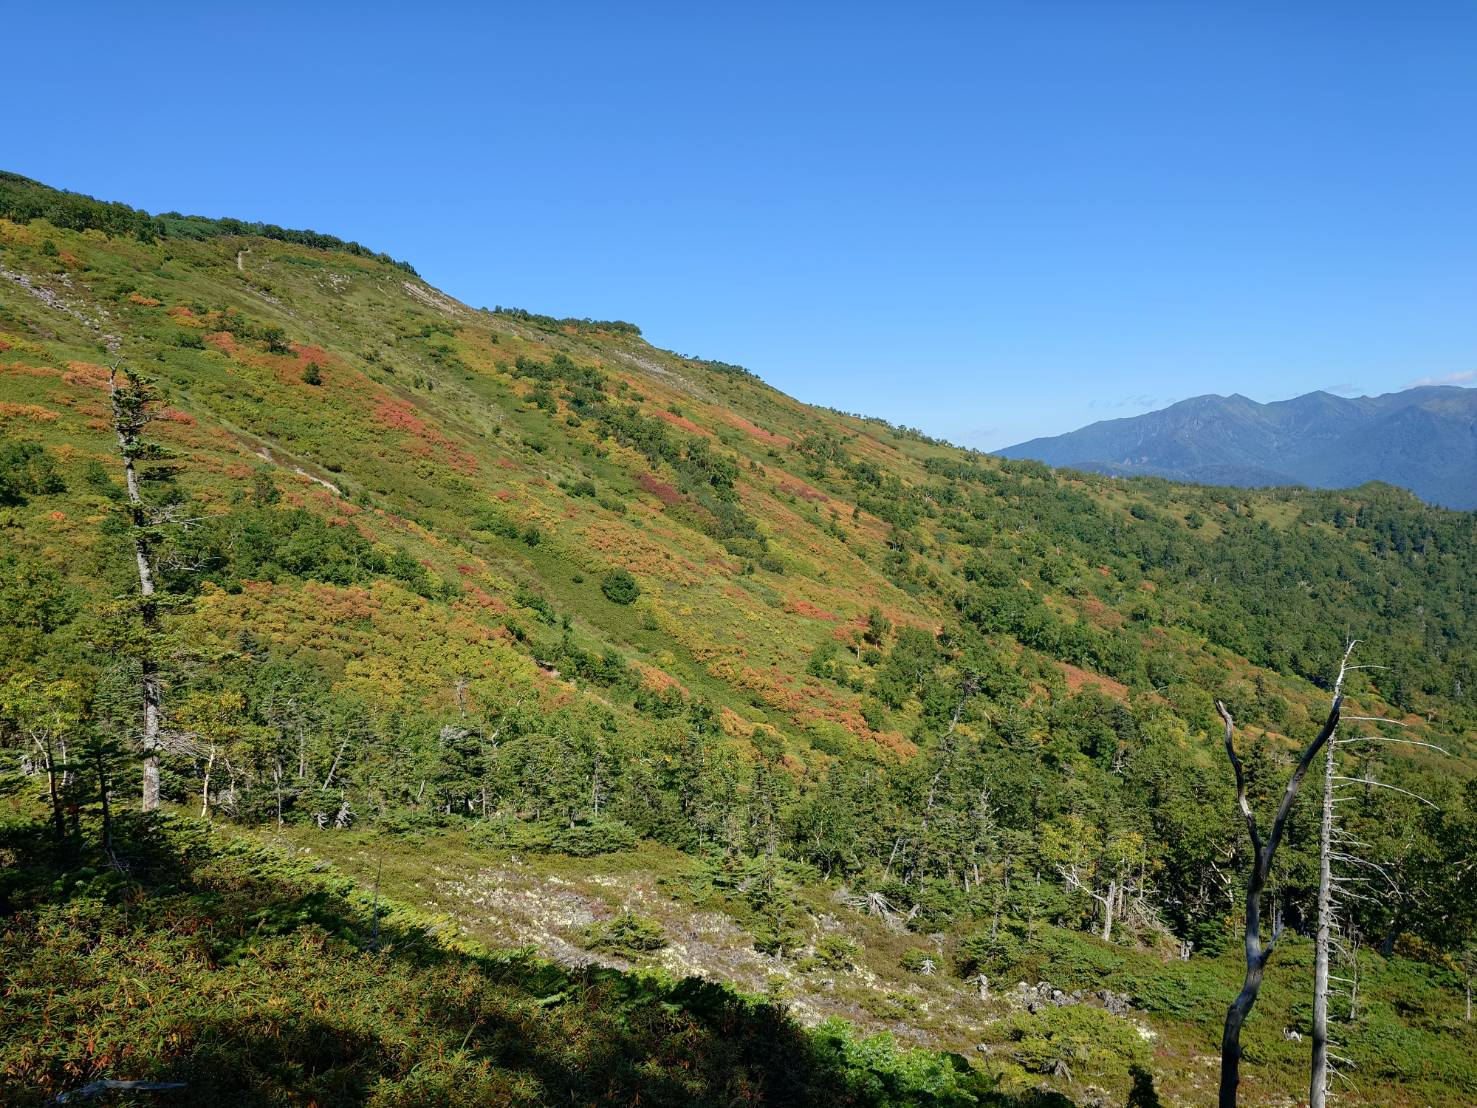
(991, 221)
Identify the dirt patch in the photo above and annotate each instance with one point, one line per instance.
(1100, 614)
(433, 299)
(1078, 678)
(514, 904)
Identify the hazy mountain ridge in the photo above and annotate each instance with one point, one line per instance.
(1423, 439)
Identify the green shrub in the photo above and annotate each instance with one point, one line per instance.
(495, 522)
(620, 587)
(1075, 1036)
(525, 597)
(276, 340)
(1194, 991)
(266, 543)
(27, 470)
(1069, 959)
(775, 936)
(584, 840)
(627, 936)
(919, 961)
(875, 1071)
(514, 834)
(413, 826)
(836, 952)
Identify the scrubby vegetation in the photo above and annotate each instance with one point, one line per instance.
(255, 981)
(22, 200)
(550, 323)
(535, 587)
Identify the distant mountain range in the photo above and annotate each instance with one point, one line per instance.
(1423, 439)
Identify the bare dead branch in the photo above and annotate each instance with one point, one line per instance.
(1388, 739)
(1382, 785)
(1242, 803)
(1264, 851)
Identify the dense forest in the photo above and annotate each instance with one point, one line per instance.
(493, 583)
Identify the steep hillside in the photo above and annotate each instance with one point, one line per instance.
(586, 645)
(1423, 439)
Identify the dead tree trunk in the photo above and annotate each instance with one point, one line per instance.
(1263, 853)
(334, 768)
(58, 820)
(1318, 1082)
(1111, 901)
(1328, 853)
(130, 415)
(205, 787)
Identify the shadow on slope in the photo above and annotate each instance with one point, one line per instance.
(259, 982)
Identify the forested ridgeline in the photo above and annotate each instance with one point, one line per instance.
(440, 571)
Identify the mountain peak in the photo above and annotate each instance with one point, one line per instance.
(1423, 439)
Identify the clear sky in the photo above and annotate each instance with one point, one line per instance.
(990, 221)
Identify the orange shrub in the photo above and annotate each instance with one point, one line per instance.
(31, 412)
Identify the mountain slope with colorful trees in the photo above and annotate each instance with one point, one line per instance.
(491, 586)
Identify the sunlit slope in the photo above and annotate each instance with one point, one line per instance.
(505, 465)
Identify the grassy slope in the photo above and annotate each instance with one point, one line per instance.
(259, 981)
(260, 977)
(414, 464)
(502, 898)
(420, 425)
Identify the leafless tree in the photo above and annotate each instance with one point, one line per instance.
(1112, 898)
(205, 784)
(44, 735)
(874, 904)
(904, 844)
(1467, 961)
(333, 769)
(1336, 846)
(1263, 852)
